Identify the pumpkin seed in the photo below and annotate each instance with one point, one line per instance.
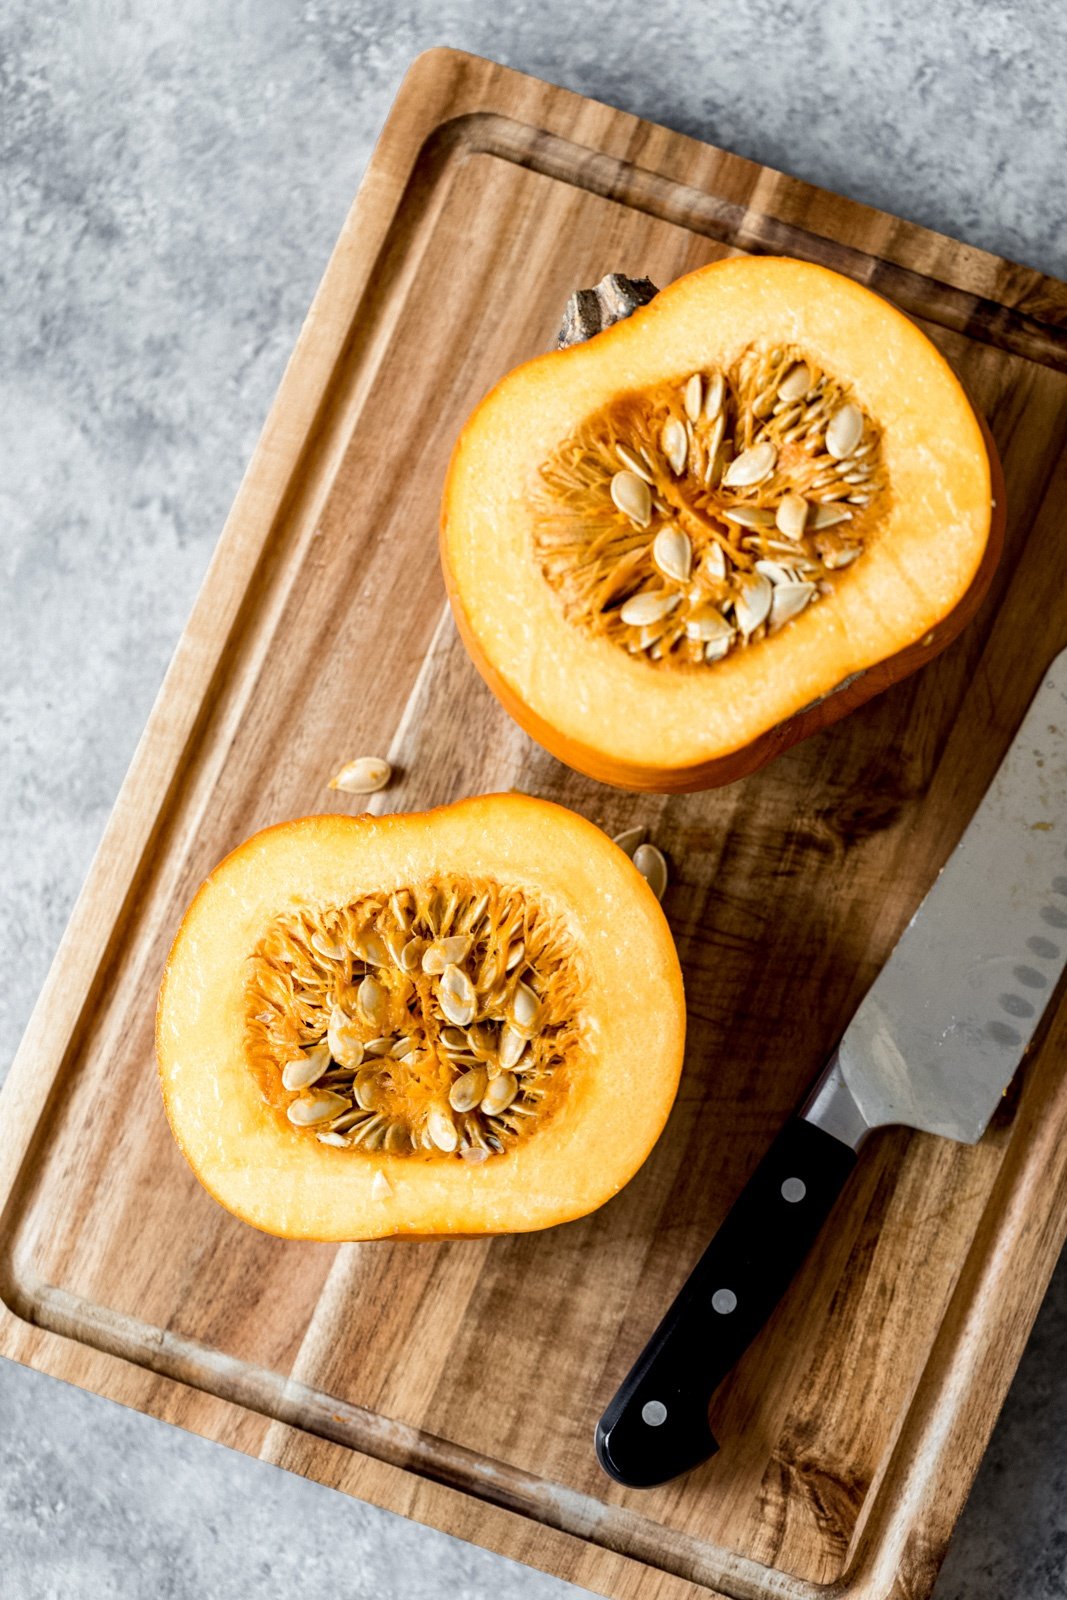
(753, 603)
(512, 1044)
(673, 553)
(706, 622)
(481, 1038)
(715, 561)
(442, 1129)
(749, 516)
(312, 1108)
(652, 865)
(456, 996)
(674, 442)
(844, 431)
(400, 907)
(366, 1090)
(500, 1094)
(651, 605)
(525, 1010)
(307, 1068)
(373, 1001)
(397, 1138)
(841, 558)
(364, 775)
(347, 1120)
(631, 494)
(752, 466)
(791, 516)
(796, 383)
(694, 397)
(714, 395)
(330, 948)
(468, 1091)
(381, 1188)
(788, 601)
(343, 1041)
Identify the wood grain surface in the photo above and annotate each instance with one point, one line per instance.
(459, 1382)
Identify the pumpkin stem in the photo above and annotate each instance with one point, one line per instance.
(590, 311)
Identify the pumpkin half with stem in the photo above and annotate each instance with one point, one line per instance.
(460, 1022)
(687, 540)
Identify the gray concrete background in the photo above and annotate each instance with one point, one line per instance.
(172, 178)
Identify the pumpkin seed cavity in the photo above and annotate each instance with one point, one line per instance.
(439, 1021)
(695, 519)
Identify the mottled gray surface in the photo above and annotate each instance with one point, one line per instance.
(173, 179)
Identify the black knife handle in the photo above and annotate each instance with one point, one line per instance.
(657, 1425)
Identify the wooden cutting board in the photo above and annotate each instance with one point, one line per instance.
(459, 1382)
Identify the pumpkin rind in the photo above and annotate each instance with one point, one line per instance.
(273, 1176)
(613, 716)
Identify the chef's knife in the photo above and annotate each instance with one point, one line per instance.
(934, 1044)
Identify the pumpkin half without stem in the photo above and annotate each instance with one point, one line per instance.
(460, 1022)
(695, 534)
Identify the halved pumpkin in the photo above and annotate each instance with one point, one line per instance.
(461, 1022)
(703, 533)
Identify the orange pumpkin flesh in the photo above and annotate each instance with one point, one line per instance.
(931, 535)
(610, 1027)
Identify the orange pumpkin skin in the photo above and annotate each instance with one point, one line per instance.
(619, 1092)
(859, 681)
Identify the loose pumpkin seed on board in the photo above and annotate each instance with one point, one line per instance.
(364, 775)
(652, 865)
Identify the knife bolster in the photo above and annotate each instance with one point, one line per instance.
(831, 1107)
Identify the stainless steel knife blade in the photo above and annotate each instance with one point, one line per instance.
(940, 1033)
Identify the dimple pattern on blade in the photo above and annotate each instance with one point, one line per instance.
(940, 1033)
